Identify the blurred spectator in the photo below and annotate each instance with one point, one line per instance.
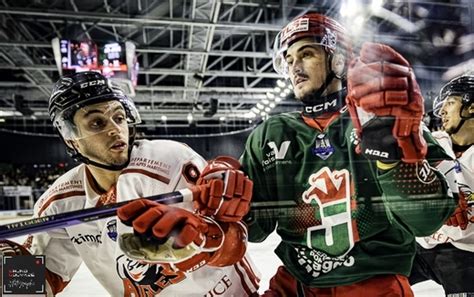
(39, 177)
(86, 55)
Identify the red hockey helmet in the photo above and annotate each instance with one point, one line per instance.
(324, 30)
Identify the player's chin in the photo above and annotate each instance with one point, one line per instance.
(301, 93)
(119, 160)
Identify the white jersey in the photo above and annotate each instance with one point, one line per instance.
(155, 167)
(460, 177)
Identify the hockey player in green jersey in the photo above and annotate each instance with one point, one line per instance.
(347, 182)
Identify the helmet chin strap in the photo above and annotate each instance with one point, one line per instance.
(316, 96)
(461, 123)
(80, 158)
(456, 130)
(315, 104)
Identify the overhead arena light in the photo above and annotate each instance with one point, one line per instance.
(255, 110)
(281, 83)
(251, 114)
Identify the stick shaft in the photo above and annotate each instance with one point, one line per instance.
(76, 217)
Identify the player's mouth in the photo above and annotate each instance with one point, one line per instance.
(300, 79)
(119, 146)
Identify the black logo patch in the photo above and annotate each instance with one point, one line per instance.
(23, 275)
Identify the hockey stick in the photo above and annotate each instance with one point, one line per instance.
(259, 210)
(76, 217)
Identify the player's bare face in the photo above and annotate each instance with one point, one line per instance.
(85, 49)
(450, 115)
(104, 133)
(306, 67)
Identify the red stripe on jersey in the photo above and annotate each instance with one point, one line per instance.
(59, 197)
(250, 273)
(55, 282)
(149, 174)
(320, 123)
(109, 197)
(242, 280)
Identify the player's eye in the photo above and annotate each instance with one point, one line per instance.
(119, 118)
(97, 124)
(449, 103)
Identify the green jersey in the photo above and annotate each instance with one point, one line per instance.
(341, 219)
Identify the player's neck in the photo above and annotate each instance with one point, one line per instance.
(104, 178)
(465, 135)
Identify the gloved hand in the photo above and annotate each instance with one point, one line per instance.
(223, 191)
(167, 234)
(10, 248)
(459, 217)
(382, 83)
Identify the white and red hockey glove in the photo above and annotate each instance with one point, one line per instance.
(223, 191)
(169, 235)
(386, 105)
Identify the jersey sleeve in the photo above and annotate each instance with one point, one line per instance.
(259, 224)
(62, 258)
(417, 196)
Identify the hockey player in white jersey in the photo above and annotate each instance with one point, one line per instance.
(447, 256)
(97, 122)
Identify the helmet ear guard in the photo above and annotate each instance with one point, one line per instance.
(339, 65)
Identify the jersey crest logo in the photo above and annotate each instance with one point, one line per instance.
(331, 192)
(323, 148)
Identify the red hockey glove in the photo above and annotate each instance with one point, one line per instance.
(459, 217)
(167, 234)
(223, 191)
(10, 248)
(381, 82)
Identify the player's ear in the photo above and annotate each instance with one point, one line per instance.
(338, 64)
(468, 111)
(471, 109)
